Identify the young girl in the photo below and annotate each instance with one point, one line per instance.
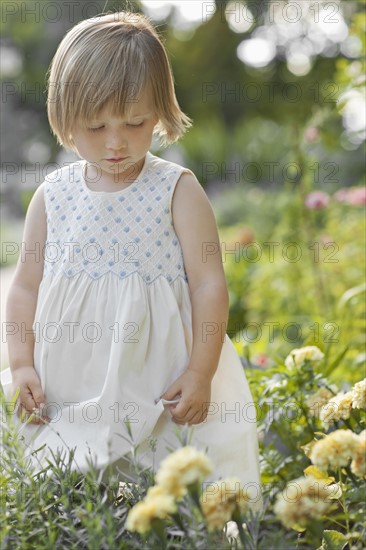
(119, 299)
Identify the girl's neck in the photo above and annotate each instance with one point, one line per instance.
(117, 178)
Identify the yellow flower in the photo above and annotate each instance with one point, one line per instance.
(337, 408)
(220, 499)
(316, 401)
(335, 450)
(181, 468)
(298, 356)
(303, 500)
(156, 505)
(359, 395)
(358, 464)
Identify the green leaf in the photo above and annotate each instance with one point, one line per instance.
(332, 366)
(333, 540)
(318, 474)
(351, 293)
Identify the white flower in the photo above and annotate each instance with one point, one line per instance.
(316, 401)
(338, 407)
(335, 450)
(181, 468)
(303, 500)
(358, 464)
(298, 356)
(359, 395)
(156, 505)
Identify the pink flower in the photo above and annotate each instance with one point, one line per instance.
(341, 195)
(261, 360)
(326, 239)
(245, 235)
(354, 196)
(357, 196)
(311, 134)
(317, 200)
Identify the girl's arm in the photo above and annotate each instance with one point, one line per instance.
(22, 301)
(196, 229)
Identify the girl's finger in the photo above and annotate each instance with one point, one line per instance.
(182, 418)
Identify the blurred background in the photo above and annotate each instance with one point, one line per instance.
(276, 91)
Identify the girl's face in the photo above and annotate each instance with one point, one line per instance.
(118, 146)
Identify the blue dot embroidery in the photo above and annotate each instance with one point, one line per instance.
(148, 230)
(109, 208)
(69, 198)
(122, 273)
(63, 217)
(129, 208)
(158, 243)
(141, 198)
(158, 220)
(137, 239)
(158, 198)
(121, 199)
(96, 218)
(118, 220)
(92, 239)
(84, 228)
(138, 219)
(148, 254)
(126, 229)
(148, 209)
(105, 228)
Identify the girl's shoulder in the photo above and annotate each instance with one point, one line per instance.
(67, 174)
(159, 163)
(164, 167)
(64, 171)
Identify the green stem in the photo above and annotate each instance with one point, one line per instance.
(239, 522)
(334, 521)
(351, 475)
(344, 505)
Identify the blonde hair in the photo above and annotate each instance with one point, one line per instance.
(116, 57)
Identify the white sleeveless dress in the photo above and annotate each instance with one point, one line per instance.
(113, 331)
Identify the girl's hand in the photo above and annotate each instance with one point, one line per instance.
(195, 392)
(31, 397)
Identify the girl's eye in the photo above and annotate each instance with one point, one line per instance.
(95, 129)
(136, 125)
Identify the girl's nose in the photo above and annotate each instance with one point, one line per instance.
(116, 140)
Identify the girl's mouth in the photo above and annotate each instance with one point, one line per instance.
(116, 159)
